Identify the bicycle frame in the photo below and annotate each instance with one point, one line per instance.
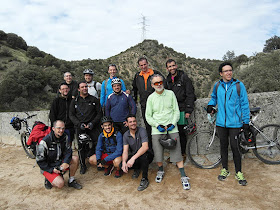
(212, 139)
(257, 130)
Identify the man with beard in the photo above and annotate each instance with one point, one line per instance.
(162, 113)
(85, 113)
(181, 85)
(108, 149)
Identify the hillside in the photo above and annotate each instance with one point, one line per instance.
(25, 71)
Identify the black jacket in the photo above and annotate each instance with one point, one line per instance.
(60, 111)
(52, 152)
(85, 110)
(183, 89)
(138, 86)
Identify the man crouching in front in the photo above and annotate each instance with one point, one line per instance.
(108, 149)
(54, 157)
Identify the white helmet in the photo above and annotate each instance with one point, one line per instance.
(116, 81)
(88, 71)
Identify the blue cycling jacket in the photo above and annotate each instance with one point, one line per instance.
(109, 90)
(119, 106)
(233, 110)
(111, 148)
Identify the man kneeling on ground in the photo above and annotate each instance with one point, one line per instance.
(54, 157)
(108, 149)
(136, 139)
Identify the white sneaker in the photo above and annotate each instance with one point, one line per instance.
(159, 177)
(185, 183)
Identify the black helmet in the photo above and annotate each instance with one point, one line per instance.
(88, 71)
(167, 142)
(106, 119)
(250, 140)
(15, 122)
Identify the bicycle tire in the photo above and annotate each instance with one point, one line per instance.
(27, 149)
(199, 155)
(265, 153)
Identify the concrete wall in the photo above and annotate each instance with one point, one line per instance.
(269, 103)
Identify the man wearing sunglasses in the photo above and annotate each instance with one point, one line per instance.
(181, 85)
(142, 85)
(162, 113)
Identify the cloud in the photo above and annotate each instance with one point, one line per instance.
(75, 30)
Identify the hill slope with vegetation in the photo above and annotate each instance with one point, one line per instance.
(29, 77)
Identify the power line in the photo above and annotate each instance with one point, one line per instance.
(144, 25)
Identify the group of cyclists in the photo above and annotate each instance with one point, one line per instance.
(103, 117)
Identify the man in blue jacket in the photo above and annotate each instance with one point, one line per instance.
(109, 149)
(119, 105)
(233, 114)
(106, 88)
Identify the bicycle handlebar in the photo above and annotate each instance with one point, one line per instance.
(31, 116)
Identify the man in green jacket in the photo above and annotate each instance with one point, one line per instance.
(162, 113)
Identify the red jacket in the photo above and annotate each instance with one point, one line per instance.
(38, 133)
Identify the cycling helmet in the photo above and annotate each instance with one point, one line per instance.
(190, 129)
(116, 81)
(84, 138)
(88, 71)
(15, 122)
(247, 141)
(106, 119)
(167, 142)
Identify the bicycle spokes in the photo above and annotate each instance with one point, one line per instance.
(267, 147)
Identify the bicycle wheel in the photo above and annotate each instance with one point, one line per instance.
(200, 155)
(267, 147)
(28, 149)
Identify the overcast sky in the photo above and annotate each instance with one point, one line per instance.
(81, 29)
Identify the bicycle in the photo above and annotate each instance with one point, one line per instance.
(204, 148)
(17, 124)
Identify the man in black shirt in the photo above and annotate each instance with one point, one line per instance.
(85, 113)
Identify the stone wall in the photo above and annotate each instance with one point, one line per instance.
(269, 103)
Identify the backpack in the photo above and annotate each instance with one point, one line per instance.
(98, 91)
(105, 87)
(183, 83)
(237, 87)
(39, 131)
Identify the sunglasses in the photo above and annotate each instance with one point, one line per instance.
(158, 83)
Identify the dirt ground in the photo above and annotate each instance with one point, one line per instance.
(22, 187)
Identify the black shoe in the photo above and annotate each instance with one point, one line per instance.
(144, 183)
(100, 168)
(48, 185)
(108, 171)
(83, 169)
(75, 185)
(136, 173)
